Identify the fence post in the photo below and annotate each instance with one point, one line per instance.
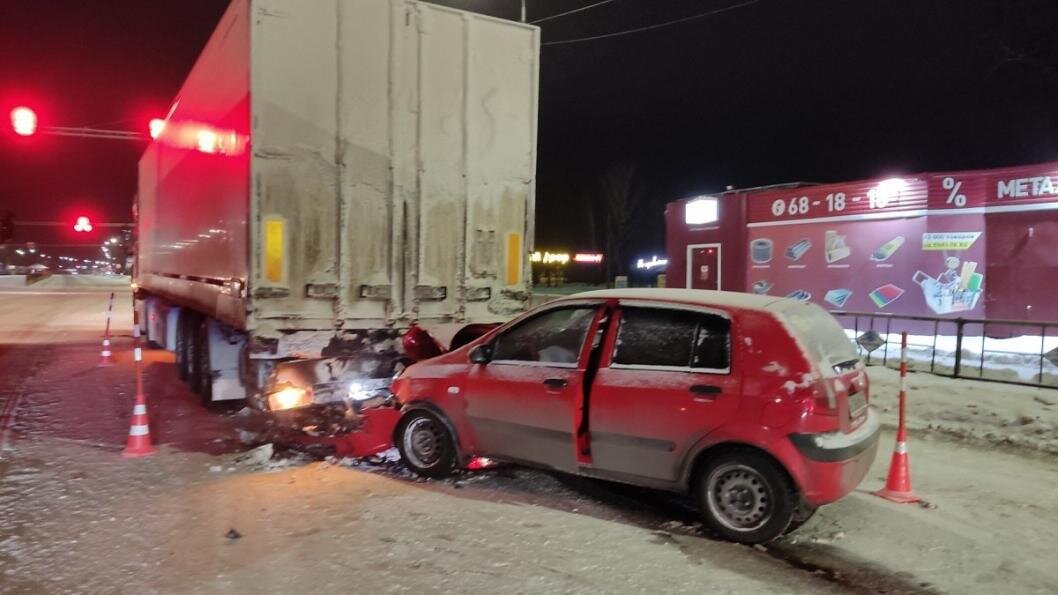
(959, 324)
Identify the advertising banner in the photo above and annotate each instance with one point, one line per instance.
(872, 255)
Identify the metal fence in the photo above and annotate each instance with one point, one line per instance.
(1010, 351)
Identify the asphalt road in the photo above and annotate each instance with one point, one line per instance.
(75, 516)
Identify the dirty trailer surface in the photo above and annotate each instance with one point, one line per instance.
(75, 516)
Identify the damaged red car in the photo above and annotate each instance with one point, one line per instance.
(756, 406)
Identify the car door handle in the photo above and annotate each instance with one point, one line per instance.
(705, 390)
(555, 383)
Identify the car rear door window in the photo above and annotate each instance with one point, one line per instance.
(555, 336)
(672, 338)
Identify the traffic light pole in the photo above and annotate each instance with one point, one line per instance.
(65, 224)
(91, 133)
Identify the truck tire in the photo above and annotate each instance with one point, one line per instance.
(746, 497)
(193, 347)
(204, 370)
(425, 444)
(182, 369)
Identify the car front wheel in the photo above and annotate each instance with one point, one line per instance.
(746, 497)
(426, 446)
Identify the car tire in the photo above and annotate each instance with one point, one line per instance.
(802, 514)
(426, 445)
(746, 497)
(205, 372)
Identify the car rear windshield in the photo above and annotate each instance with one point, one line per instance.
(820, 334)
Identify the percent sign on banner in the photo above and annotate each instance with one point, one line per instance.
(955, 196)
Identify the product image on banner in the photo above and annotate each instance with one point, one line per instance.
(799, 295)
(762, 287)
(887, 249)
(957, 289)
(760, 250)
(834, 247)
(796, 251)
(838, 297)
(885, 295)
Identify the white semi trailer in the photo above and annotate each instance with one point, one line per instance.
(332, 173)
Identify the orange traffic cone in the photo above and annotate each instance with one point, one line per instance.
(898, 484)
(105, 356)
(139, 441)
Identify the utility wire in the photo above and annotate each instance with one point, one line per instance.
(575, 10)
(657, 26)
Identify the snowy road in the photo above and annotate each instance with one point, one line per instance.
(74, 516)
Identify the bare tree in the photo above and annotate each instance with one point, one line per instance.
(619, 199)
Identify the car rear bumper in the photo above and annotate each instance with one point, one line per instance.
(834, 463)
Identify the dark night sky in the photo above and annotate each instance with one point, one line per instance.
(782, 90)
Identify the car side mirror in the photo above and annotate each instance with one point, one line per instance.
(482, 354)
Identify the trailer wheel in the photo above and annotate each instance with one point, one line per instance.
(193, 346)
(202, 365)
(182, 369)
(425, 444)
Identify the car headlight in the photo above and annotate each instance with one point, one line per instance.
(289, 398)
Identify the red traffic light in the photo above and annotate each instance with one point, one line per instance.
(83, 225)
(156, 126)
(24, 121)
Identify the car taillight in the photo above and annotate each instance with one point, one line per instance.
(825, 396)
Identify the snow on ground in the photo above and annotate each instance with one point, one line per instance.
(1011, 359)
(993, 412)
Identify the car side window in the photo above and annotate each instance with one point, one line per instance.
(555, 336)
(672, 338)
(712, 343)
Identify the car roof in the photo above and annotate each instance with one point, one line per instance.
(702, 297)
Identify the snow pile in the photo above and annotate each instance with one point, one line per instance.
(992, 412)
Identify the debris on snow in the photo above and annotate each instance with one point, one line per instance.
(258, 456)
(248, 437)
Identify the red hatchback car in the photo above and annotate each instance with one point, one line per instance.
(756, 406)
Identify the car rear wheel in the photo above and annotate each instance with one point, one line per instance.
(746, 497)
(425, 444)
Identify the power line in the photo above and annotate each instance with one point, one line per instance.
(657, 26)
(575, 10)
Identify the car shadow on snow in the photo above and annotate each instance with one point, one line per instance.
(672, 519)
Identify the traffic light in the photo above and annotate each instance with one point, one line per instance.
(83, 225)
(156, 126)
(24, 121)
(7, 226)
